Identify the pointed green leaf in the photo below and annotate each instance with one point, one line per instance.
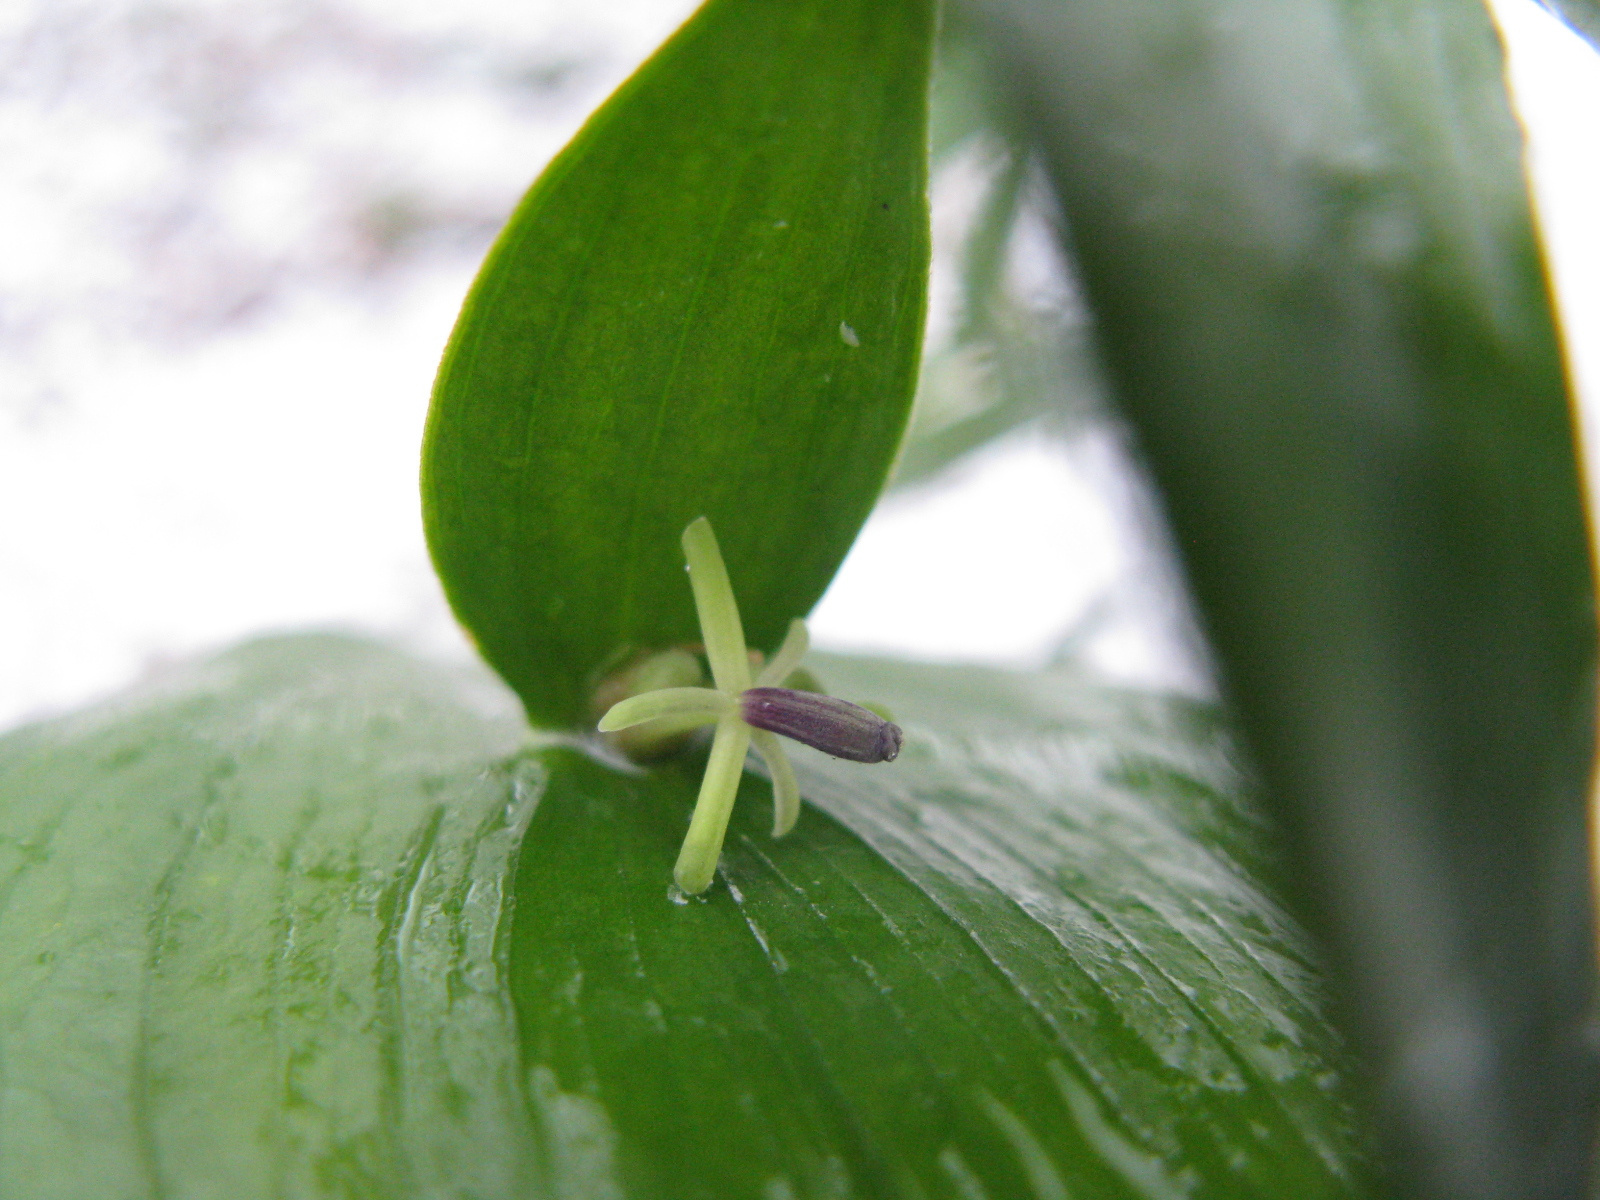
(311, 919)
(709, 304)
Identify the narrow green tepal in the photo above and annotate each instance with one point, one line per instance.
(710, 303)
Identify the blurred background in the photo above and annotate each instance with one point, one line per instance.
(233, 238)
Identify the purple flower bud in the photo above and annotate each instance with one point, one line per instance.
(824, 723)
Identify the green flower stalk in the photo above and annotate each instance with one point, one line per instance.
(747, 712)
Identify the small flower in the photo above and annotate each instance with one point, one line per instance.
(747, 713)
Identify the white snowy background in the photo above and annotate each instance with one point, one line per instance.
(233, 238)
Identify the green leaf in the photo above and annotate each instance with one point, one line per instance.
(1582, 15)
(964, 102)
(272, 927)
(1010, 360)
(247, 928)
(1305, 235)
(710, 303)
(1032, 958)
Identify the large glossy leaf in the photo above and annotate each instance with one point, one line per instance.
(1306, 238)
(247, 927)
(272, 927)
(710, 303)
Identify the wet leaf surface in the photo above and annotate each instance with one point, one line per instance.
(271, 926)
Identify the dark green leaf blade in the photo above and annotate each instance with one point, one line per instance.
(710, 303)
(1026, 959)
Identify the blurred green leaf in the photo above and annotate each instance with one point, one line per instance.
(964, 102)
(1305, 236)
(1582, 15)
(710, 303)
(272, 927)
(1010, 359)
(1020, 369)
